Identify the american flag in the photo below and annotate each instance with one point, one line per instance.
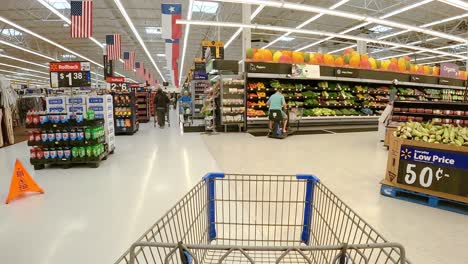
(113, 48)
(81, 19)
(129, 60)
(139, 69)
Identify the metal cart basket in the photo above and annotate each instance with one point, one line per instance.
(262, 219)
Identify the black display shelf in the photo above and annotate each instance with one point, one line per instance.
(69, 124)
(123, 105)
(432, 115)
(68, 143)
(92, 161)
(433, 103)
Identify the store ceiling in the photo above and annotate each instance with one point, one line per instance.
(32, 15)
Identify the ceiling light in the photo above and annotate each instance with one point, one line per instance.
(406, 8)
(22, 73)
(11, 32)
(347, 47)
(252, 16)
(256, 12)
(68, 56)
(161, 55)
(284, 38)
(380, 29)
(456, 3)
(27, 50)
(59, 4)
(21, 68)
(138, 37)
(153, 30)
(205, 7)
(186, 33)
(25, 61)
(65, 25)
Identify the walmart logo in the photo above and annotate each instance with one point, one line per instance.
(406, 154)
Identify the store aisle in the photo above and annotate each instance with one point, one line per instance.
(351, 165)
(93, 215)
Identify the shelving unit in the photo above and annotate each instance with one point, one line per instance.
(199, 90)
(232, 93)
(67, 143)
(437, 112)
(143, 106)
(125, 113)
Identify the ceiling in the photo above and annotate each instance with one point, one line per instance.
(34, 16)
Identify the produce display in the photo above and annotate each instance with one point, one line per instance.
(232, 101)
(427, 94)
(431, 133)
(427, 112)
(349, 58)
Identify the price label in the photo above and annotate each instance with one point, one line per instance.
(70, 79)
(119, 87)
(436, 170)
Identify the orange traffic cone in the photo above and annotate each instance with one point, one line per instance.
(21, 183)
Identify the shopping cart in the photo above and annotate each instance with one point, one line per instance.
(262, 219)
(168, 120)
(185, 112)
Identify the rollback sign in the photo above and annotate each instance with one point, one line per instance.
(436, 170)
(70, 74)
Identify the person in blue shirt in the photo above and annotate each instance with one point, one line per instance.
(185, 103)
(277, 102)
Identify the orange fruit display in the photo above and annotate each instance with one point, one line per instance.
(339, 61)
(297, 57)
(328, 59)
(277, 56)
(355, 61)
(267, 56)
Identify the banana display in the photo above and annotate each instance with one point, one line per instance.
(428, 132)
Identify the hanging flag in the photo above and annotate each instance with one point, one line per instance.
(172, 57)
(129, 60)
(139, 69)
(81, 17)
(170, 13)
(113, 46)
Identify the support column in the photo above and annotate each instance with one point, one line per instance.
(361, 47)
(246, 33)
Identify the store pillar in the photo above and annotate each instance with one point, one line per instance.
(361, 47)
(246, 37)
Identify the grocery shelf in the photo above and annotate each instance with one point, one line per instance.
(433, 103)
(431, 115)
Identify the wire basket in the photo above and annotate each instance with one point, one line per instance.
(262, 219)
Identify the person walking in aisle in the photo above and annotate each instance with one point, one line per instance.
(161, 102)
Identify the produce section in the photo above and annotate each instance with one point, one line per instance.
(232, 101)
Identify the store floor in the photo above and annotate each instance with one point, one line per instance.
(93, 215)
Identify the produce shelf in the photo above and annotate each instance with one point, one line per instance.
(432, 115)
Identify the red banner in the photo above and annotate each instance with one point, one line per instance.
(69, 66)
(115, 79)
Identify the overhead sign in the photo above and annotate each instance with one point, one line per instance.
(115, 79)
(70, 74)
(436, 170)
(212, 50)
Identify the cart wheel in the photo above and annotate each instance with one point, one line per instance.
(94, 165)
(39, 167)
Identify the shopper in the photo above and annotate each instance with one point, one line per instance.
(161, 102)
(185, 105)
(277, 102)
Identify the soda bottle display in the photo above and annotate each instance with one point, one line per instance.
(73, 135)
(66, 153)
(75, 152)
(87, 133)
(82, 152)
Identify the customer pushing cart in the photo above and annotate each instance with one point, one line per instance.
(161, 108)
(262, 219)
(185, 108)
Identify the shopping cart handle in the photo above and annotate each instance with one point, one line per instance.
(213, 175)
(309, 177)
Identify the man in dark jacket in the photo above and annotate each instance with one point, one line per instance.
(161, 102)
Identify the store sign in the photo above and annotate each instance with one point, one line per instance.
(70, 74)
(115, 79)
(212, 50)
(108, 67)
(267, 67)
(346, 72)
(306, 71)
(200, 75)
(450, 81)
(449, 70)
(436, 170)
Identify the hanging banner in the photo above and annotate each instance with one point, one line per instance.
(212, 50)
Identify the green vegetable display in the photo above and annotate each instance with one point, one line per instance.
(428, 132)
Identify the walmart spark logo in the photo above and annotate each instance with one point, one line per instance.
(406, 154)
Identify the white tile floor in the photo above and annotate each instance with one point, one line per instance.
(93, 215)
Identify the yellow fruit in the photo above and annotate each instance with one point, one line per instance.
(373, 63)
(267, 56)
(277, 56)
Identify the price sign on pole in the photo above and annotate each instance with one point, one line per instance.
(435, 170)
(70, 74)
(117, 84)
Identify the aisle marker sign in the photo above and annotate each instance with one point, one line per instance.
(436, 170)
(21, 183)
(70, 74)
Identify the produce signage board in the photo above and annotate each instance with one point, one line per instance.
(432, 169)
(424, 79)
(346, 72)
(449, 70)
(70, 74)
(306, 71)
(266, 67)
(450, 81)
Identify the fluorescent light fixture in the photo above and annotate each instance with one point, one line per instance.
(310, 20)
(26, 50)
(347, 47)
(153, 30)
(22, 73)
(25, 61)
(252, 16)
(456, 3)
(11, 32)
(380, 29)
(161, 55)
(137, 36)
(287, 39)
(22, 68)
(205, 7)
(256, 12)
(59, 4)
(315, 32)
(68, 56)
(406, 8)
(186, 34)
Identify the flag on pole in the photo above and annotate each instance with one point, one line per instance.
(129, 60)
(139, 69)
(81, 17)
(172, 57)
(170, 13)
(113, 46)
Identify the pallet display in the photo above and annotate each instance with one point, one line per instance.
(125, 113)
(143, 106)
(232, 101)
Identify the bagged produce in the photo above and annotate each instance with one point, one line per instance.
(439, 134)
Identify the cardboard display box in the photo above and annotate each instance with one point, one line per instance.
(435, 169)
(388, 135)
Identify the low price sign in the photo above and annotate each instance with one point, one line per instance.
(436, 170)
(117, 83)
(70, 74)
